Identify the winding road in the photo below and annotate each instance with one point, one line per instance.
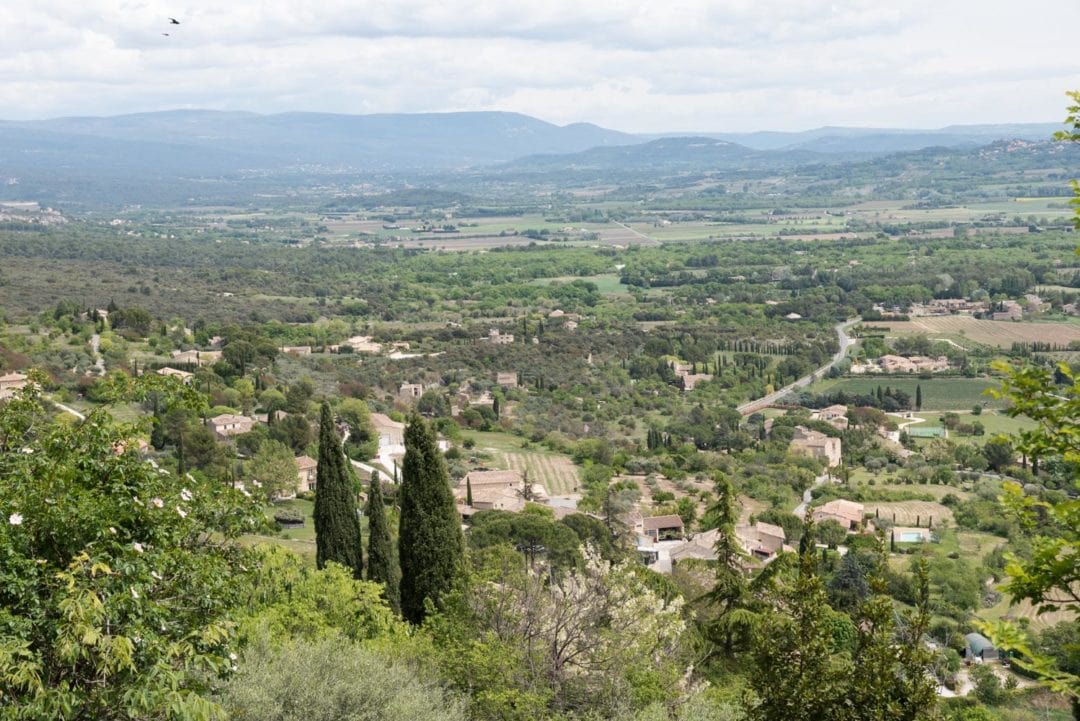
(846, 342)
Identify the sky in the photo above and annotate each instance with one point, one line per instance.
(650, 66)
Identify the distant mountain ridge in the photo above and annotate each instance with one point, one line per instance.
(203, 156)
(665, 155)
(837, 139)
(359, 141)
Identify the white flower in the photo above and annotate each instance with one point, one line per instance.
(256, 484)
(15, 519)
(189, 477)
(186, 494)
(152, 464)
(232, 656)
(28, 450)
(156, 575)
(134, 594)
(112, 530)
(157, 503)
(246, 494)
(136, 500)
(181, 511)
(137, 546)
(50, 501)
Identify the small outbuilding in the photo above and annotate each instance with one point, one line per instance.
(980, 647)
(663, 528)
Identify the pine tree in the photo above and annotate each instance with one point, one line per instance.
(797, 677)
(382, 559)
(734, 622)
(430, 544)
(893, 679)
(337, 526)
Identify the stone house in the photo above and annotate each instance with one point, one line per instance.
(847, 513)
(491, 490)
(816, 445)
(662, 528)
(390, 432)
(410, 392)
(306, 470)
(184, 376)
(227, 425)
(761, 540)
(197, 357)
(496, 337)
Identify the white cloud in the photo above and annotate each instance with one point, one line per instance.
(648, 66)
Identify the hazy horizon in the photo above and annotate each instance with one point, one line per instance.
(581, 121)
(691, 66)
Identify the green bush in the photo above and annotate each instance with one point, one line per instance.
(331, 680)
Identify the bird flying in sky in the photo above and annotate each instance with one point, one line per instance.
(174, 21)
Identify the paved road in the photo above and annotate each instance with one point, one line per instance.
(368, 468)
(636, 232)
(99, 360)
(800, 510)
(845, 342)
(69, 409)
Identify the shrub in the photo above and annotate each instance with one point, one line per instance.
(331, 680)
(289, 517)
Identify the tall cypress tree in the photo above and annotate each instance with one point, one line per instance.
(382, 559)
(337, 526)
(918, 397)
(430, 544)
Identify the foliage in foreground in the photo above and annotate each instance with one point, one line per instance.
(331, 679)
(117, 579)
(1049, 575)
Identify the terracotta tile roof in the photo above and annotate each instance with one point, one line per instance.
(655, 523)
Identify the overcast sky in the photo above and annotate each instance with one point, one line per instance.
(658, 65)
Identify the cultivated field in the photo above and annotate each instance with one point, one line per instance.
(555, 473)
(997, 333)
(908, 512)
(939, 394)
(1024, 610)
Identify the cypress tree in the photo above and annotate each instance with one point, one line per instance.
(918, 397)
(382, 560)
(430, 544)
(468, 491)
(181, 468)
(337, 527)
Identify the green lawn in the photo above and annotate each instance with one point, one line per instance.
(939, 394)
(301, 540)
(994, 421)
